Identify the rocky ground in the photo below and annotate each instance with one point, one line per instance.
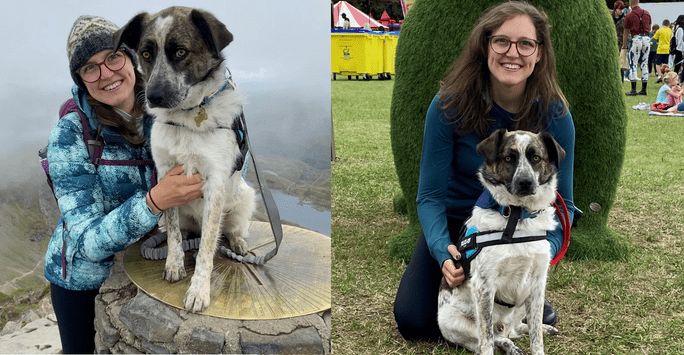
(27, 320)
(30, 326)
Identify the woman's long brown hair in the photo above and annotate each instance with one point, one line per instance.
(464, 90)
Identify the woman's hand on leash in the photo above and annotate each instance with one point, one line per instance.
(453, 276)
(174, 189)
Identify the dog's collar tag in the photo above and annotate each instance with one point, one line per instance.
(202, 116)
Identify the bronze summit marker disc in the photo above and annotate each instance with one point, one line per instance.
(295, 282)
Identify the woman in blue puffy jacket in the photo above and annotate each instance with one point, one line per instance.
(104, 208)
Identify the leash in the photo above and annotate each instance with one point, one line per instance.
(564, 218)
(271, 211)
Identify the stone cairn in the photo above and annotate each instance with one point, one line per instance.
(128, 320)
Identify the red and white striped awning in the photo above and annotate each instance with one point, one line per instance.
(356, 18)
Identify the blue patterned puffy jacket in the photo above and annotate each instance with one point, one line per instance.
(103, 208)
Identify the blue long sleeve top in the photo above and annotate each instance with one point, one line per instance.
(448, 184)
(103, 209)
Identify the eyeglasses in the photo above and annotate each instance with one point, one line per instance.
(90, 73)
(525, 46)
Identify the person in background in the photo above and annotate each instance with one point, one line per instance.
(652, 53)
(662, 37)
(618, 14)
(103, 209)
(669, 95)
(678, 37)
(638, 24)
(346, 24)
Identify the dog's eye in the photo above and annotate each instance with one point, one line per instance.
(536, 159)
(145, 55)
(508, 159)
(181, 53)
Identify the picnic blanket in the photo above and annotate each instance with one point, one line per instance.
(654, 113)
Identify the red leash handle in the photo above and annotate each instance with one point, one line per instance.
(565, 223)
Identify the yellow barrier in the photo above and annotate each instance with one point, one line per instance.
(362, 53)
(389, 49)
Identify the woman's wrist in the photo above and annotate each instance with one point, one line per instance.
(151, 204)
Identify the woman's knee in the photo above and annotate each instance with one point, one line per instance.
(416, 325)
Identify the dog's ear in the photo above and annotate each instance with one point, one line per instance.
(214, 33)
(555, 151)
(489, 147)
(130, 34)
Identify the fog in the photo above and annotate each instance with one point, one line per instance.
(279, 58)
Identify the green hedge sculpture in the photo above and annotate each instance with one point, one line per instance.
(585, 45)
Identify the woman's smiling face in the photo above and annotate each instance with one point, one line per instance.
(509, 71)
(114, 88)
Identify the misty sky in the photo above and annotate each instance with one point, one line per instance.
(280, 60)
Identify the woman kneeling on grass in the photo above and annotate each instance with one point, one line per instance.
(504, 78)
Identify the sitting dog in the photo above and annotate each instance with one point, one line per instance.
(507, 279)
(196, 111)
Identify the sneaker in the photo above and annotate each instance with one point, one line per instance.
(550, 317)
(660, 80)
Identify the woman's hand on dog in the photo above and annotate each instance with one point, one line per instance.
(453, 276)
(174, 189)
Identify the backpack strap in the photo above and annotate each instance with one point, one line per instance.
(94, 145)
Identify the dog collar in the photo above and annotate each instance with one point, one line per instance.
(486, 201)
(208, 99)
(228, 82)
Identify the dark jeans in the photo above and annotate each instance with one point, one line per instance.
(651, 63)
(75, 312)
(678, 65)
(415, 306)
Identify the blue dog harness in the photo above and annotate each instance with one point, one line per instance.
(471, 240)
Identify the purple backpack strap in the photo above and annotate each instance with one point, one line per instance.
(94, 145)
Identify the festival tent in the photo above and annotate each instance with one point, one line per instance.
(388, 22)
(385, 19)
(356, 18)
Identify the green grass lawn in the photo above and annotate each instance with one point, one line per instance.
(628, 307)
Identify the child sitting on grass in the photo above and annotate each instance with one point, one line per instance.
(669, 95)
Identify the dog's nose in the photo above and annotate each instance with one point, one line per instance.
(155, 99)
(525, 186)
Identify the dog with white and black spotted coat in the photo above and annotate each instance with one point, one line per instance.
(196, 109)
(507, 281)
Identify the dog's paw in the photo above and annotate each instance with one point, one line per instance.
(507, 346)
(549, 330)
(197, 298)
(174, 273)
(238, 245)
